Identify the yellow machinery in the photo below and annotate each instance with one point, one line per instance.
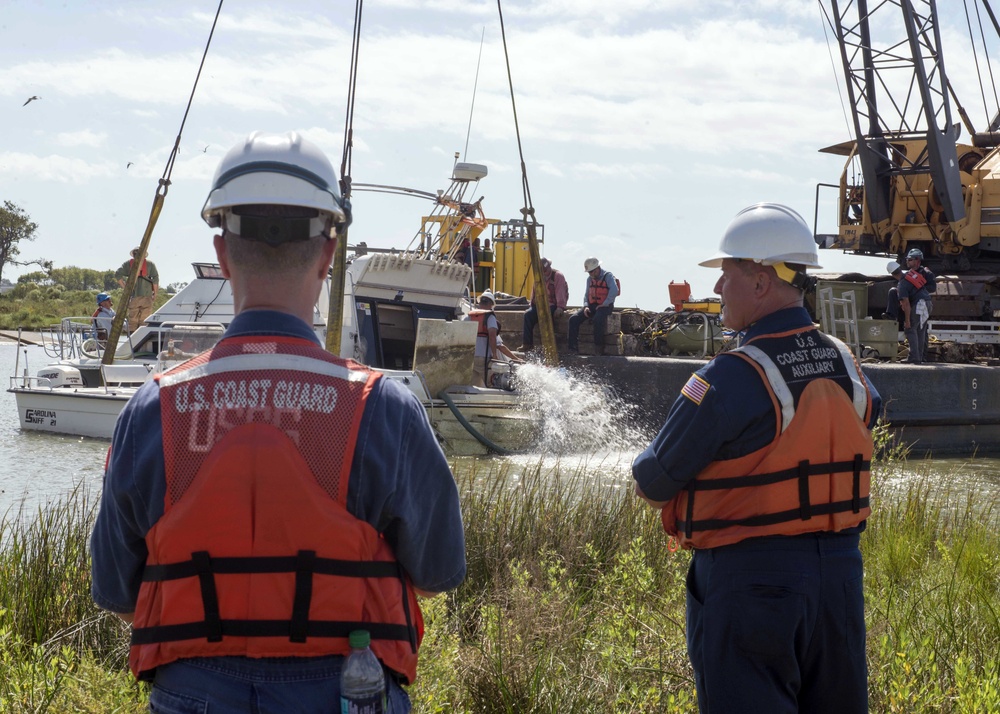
(455, 225)
(503, 260)
(908, 182)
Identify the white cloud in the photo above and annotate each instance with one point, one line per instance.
(84, 137)
(61, 169)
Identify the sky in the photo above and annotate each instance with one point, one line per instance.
(646, 125)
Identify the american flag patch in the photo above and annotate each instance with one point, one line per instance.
(695, 389)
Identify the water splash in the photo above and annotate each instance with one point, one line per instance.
(577, 412)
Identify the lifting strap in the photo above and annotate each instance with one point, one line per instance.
(154, 213)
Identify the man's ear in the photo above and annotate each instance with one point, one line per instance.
(329, 247)
(220, 252)
(762, 281)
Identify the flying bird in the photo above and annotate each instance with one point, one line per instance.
(30, 100)
(205, 149)
(127, 165)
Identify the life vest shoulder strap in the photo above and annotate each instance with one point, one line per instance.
(778, 385)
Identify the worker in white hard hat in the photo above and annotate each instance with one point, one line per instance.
(486, 337)
(240, 482)
(916, 286)
(762, 467)
(892, 308)
(598, 303)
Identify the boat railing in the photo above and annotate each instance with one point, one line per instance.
(77, 337)
(26, 381)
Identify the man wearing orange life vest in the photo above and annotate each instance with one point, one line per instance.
(147, 284)
(599, 301)
(914, 289)
(762, 467)
(486, 338)
(265, 498)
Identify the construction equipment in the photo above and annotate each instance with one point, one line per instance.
(908, 181)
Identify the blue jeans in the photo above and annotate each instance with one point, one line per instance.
(916, 336)
(777, 625)
(530, 320)
(237, 685)
(600, 318)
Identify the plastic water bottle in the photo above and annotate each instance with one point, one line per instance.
(362, 681)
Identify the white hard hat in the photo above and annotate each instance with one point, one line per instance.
(892, 266)
(277, 170)
(767, 233)
(487, 295)
(590, 264)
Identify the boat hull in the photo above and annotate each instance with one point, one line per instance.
(496, 424)
(79, 412)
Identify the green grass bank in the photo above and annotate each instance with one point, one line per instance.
(573, 603)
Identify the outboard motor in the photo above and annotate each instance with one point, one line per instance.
(61, 375)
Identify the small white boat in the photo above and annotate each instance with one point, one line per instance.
(57, 399)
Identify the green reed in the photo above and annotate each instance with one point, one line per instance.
(573, 603)
(57, 651)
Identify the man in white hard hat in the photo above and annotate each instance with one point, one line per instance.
(598, 303)
(486, 337)
(762, 467)
(265, 498)
(892, 309)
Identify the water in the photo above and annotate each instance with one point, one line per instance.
(584, 429)
(39, 468)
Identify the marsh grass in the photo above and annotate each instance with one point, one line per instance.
(57, 651)
(573, 603)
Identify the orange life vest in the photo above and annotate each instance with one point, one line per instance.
(813, 476)
(480, 317)
(256, 554)
(143, 270)
(915, 278)
(597, 290)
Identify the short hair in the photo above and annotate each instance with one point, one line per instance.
(262, 258)
(257, 256)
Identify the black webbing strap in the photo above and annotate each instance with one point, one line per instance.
(406, 609)
(303, 595)
(767, 519)
(859, 466)
(722, 484)
(305, 565)
(690, 507)
(804, 513)
(209, 595)
(268, 628)
(272, 564)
